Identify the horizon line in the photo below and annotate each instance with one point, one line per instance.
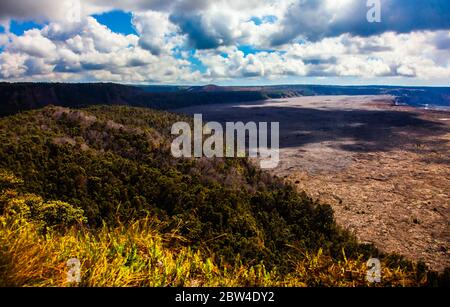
(217, 85)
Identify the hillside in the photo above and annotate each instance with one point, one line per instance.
(105, 168)
(18, 97)
(115, 164)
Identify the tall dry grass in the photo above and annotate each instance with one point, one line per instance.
(137, 255)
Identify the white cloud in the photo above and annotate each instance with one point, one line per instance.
(381, 55)
(232, 63)
(32, 43)
(12, 65)
(71, 49)
(4, 39)
(384, 55)
(87, 51)
(156, 32)
(317, 19)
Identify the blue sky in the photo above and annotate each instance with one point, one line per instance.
(19, 27)
(226, 42)
(117, 21)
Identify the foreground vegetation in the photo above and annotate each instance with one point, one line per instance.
(100, 185)
(36, 248)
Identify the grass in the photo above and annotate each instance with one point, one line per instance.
(123, 256)
(137, 255)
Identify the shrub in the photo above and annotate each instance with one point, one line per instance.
(58, 213)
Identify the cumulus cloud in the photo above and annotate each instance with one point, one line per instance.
(442, 40)
(205, 32)
(32, 43)
(156, 32)
(233, 63)
(4, 39)
(226, 23)
(43, 10)
(201, 40)
(86, 50)
(385, 55)
(316, 19)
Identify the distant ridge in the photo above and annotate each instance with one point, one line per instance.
(17, 97)
(208, 88)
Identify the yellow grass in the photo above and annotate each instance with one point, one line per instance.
(138, 256)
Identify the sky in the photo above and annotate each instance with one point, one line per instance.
(226, 42)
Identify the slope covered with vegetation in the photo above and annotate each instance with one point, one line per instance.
(38, 237)
(101, 185)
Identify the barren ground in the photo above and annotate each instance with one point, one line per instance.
(385, 169)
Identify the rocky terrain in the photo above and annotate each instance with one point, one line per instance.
(385, 169)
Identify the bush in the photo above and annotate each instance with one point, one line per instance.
(31, 207)
(58, 213)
